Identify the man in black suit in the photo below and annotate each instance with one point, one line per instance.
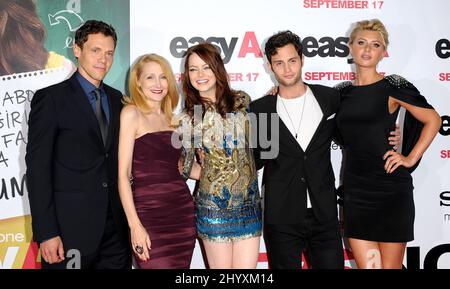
(72, 161)
(300, 202)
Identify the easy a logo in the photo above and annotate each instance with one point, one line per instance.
(325, 47)
(322, 47)
(250, 44)
(445, 199)
(445, 127)
(443, 48)
(431, 258)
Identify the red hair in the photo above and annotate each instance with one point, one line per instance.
(225, 97)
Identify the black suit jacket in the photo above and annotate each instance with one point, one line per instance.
(287, 176)
(71, 174)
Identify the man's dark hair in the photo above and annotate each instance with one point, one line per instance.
(282, 39)
(94, 27)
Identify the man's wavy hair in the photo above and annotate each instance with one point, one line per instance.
(94, 27)
(282, 39)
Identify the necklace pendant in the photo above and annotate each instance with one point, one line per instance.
(295, 136)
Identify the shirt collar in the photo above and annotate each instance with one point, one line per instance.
(87, 86)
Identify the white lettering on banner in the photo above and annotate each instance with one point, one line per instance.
(11, 237)
(10, 256)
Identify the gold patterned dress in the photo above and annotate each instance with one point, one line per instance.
(227, 202)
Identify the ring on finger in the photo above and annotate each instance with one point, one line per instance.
(139, 249)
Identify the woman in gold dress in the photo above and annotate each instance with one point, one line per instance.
(215, 121)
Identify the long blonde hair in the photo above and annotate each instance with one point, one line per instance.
(137, 96)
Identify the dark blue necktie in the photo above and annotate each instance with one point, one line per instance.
(100, 114)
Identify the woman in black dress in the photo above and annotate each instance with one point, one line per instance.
(377, 183)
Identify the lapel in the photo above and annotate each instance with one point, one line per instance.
(285, 135)
(79, 99)
(324, 104)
